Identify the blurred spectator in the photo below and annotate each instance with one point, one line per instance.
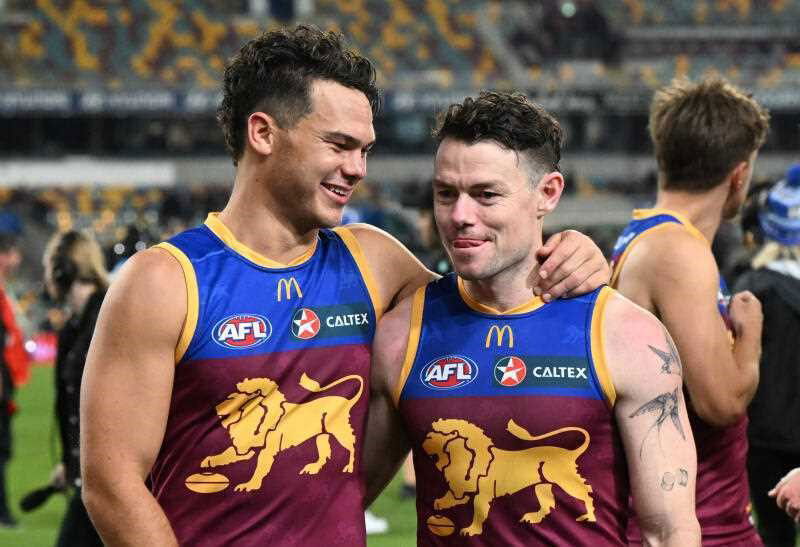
(76, 278)
(774, 277)
(13, 365)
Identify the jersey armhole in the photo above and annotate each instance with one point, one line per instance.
(352, 244)
(598, 348)
(414, 331)
(192, 299)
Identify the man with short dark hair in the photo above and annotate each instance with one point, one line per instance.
(530, 422)
(706, 137)
(223, 401)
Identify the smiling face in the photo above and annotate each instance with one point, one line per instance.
(488, 211)
(317, 163)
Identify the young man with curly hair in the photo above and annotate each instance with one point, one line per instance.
(530, 422)
(706, 137)
(224, 397)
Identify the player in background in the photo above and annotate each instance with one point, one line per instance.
(706, 137)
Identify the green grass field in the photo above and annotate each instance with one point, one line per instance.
(35, 453)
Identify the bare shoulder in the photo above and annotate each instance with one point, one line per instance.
(398, 272)
(639, 351)
(670, 249)
(625, 321)
(148, 293)
(376, 242)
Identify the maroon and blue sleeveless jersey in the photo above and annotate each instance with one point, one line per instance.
(510, 417)
(723, 496)
(265, 430)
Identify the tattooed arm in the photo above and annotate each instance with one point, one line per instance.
(651, 415)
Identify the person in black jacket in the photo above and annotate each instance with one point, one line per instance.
(774, 277)
(75, 277)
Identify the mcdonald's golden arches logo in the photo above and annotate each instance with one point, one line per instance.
(500, 334)
(285, 288)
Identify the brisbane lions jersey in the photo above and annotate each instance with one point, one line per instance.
(266, 422)
(723, 496)
(511, 421)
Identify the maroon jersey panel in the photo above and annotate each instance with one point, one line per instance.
(252, 449)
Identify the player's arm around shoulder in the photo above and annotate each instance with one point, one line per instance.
(397, 272)
(386, 442)
(650, 411)
(125, 398)
(684, 285)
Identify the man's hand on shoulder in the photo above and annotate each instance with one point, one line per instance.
(571, 264)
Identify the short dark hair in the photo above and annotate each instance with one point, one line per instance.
(511, 120)
(274, 73)
(701, 131)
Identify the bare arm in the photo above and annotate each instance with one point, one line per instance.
(571, 265)
(125, 397)
(682, 281)
(651, 414)
(386, 444)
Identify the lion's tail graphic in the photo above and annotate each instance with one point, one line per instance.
(519, 432)
(312, 385)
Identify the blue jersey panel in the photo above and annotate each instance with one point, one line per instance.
(246, 309)
(463, 352)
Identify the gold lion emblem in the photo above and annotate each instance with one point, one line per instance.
(260, 420)
(473, 466)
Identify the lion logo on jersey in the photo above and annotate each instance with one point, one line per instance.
(473, 466)
(261, 421)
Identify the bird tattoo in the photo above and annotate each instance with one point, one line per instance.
(668, 359)
(666, 405)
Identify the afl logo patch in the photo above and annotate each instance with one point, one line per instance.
(305, 324)
(242, 331)
(510, 371)
(449, 372)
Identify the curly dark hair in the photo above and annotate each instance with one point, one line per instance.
(701, 131)
(511, 120)
(274, 73)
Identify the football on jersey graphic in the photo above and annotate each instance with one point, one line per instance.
(261, 423)
(242, 331)
(472, 466)
(449, 372)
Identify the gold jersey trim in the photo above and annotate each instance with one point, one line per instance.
(641, 214)
(414, 331)
(352, 244)
(221, 231)
(192, 299)
(598, 347)
(533, 304)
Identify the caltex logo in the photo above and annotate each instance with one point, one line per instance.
(510, 371)
(449, 372)
(242, 331)
(305, 324)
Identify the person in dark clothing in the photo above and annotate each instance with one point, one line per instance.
(75, 277)
(774, 277)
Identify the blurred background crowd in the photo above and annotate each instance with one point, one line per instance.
(107, 109)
